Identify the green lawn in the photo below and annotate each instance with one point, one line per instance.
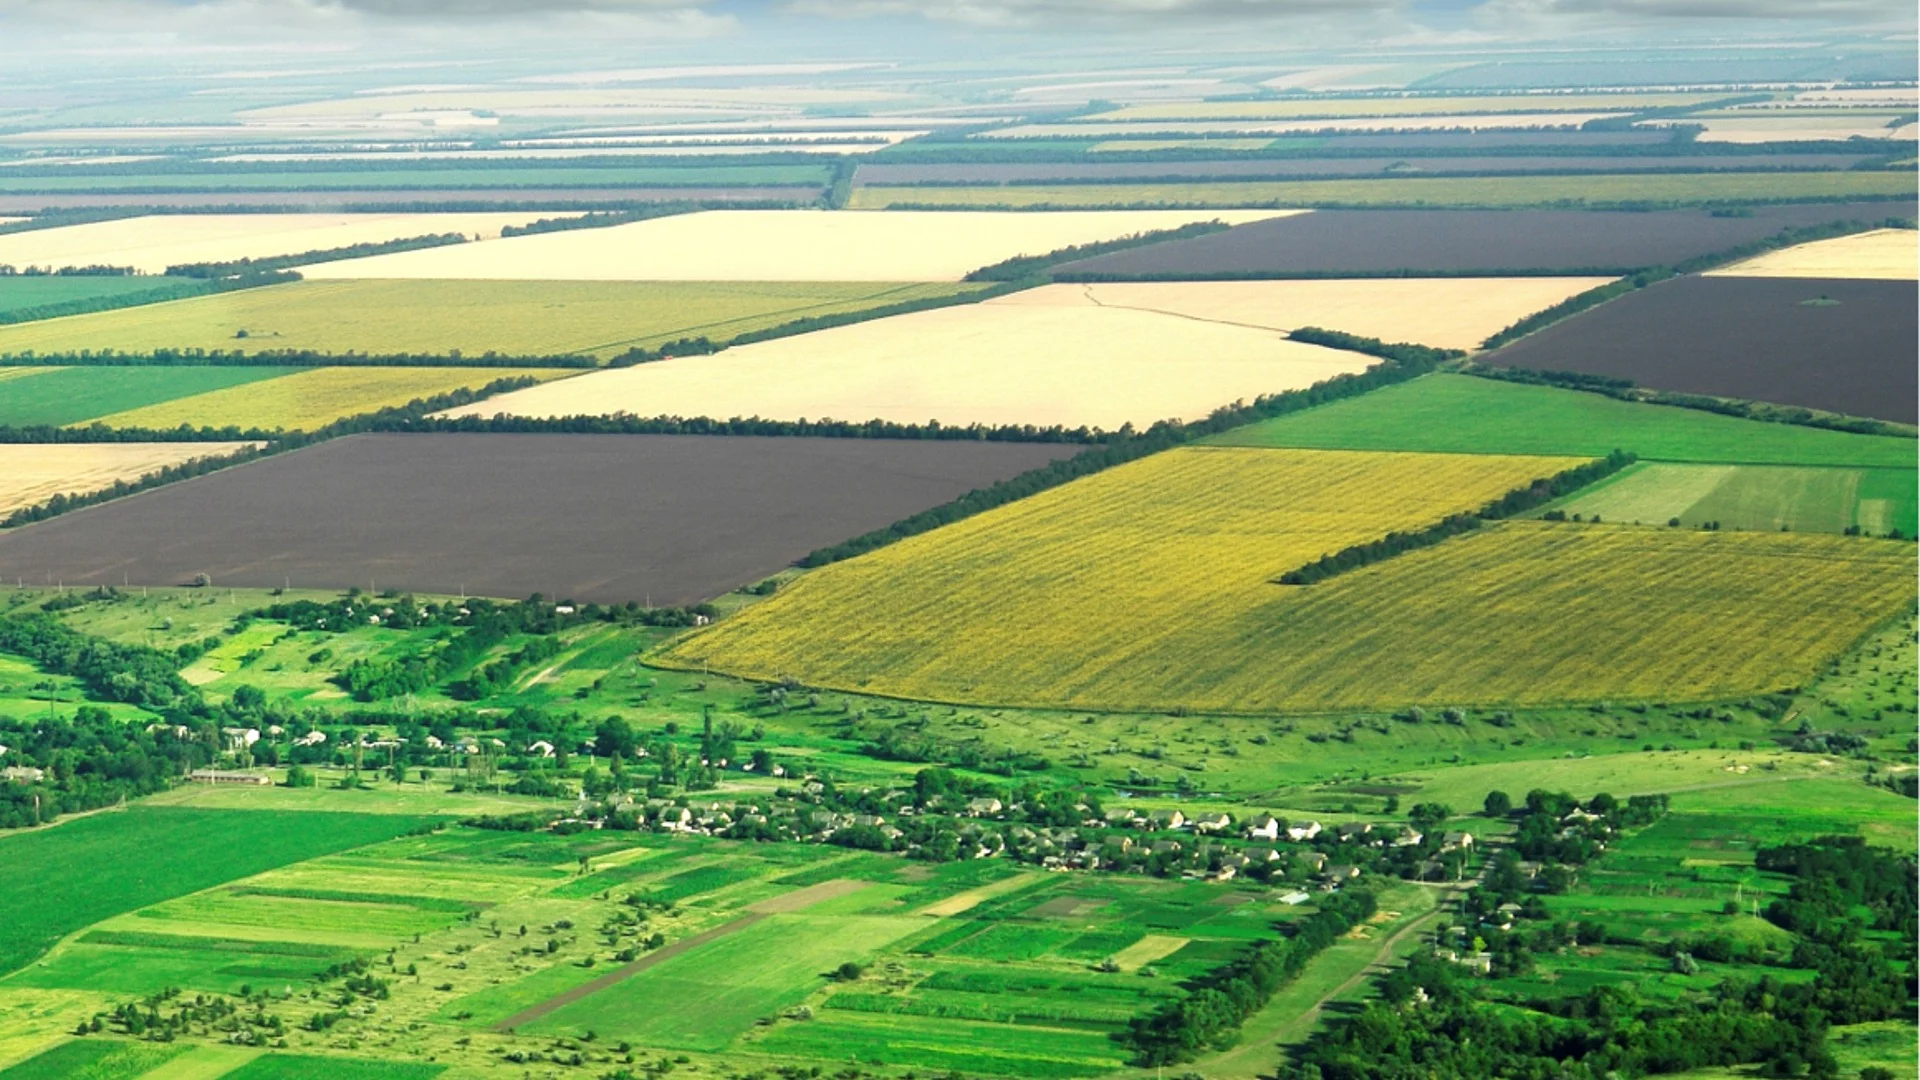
(97, 867)
(76, 394)
(1465, 414)
(1766, 497)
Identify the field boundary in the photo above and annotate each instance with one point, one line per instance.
(658, 956)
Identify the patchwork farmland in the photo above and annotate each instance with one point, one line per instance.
(31, 474)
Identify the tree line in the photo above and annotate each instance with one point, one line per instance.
(245, 267)
(1029, 267)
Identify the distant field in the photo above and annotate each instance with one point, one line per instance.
(1380, 163)
(409, 185)
(991, 363)
(151, 244)
(775, 245)
(1765, 497)
(1020, 607)
(97, 867)
(1890, 254)
(1466, 414)
(1092, 127)
(34, 472)
(1390, 105)
(526, 318)
(94, 1059)
(1841, 345)
(328, 1067)
(1454, 313)
(1106, 592)
(315, 398)
(1492, 191)
(1732, 128)
(73, 395)
(19, 293)
(1336, 242)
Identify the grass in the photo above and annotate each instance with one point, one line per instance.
(96, 867)
(328, 1067)
(524, 318)
(1765, 497)
(1149, 587)
(316, 398)
(75, 395)
(1492, 191)
(93, 1059)
(1031, 1051)
(1465, 414)
(19, 293)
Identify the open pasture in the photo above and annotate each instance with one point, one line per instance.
(32, 473)
(777, 245)
(1450, 313)
(151, 244)
(1601, 189)
(671, 519)
(525, 318)
(1331, 242)
(316, 397)
(1840, 345)
(53, 396)
(1884, 254)
(1463, 414)
(1024, 604)
(1768, 498)
(1020, 606)
(1011, 362)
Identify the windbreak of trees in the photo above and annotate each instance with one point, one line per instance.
(1211, 1014)
(1519, 500)
(173, 290)
(110, 671)
(1030, 267)
(283, 357)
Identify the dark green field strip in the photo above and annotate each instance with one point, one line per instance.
(94, 1059)
(93, 868)
(625, 874)
(701, 879)
(652, 959)
(427, 177)
(992, 1010)
(345, 896)
(318, 1067)
(968, 1047)
(77, 394)
(192, 943)
(1463, 414)
(24, 297)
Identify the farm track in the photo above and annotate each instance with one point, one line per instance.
(658, 956)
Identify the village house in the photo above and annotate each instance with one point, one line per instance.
(22, 774)
(224, 776)
(1456, 841)
(984, 806)
(1166, 819)
(1212, 823)
(1264, 827)
(1303, 832)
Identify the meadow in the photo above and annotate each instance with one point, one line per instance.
(1464, 414)
(1027, 610)
(53, 396)
(1770, 498)
(1491, 191)
(991, 363)
(151, 244)
(32, 473)
(1447, 313)
(314, 398)
(776, 245)
(525, 318)
(1883, 253)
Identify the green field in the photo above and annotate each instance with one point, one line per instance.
(93, 868)
(1491, 191)
(318, 1067)
(1465, 414)
(1767, 497)
(524, 318)
(428, 177)
(74, 395)
(94, 1059)
(19, 293)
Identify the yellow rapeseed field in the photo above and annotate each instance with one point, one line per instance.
(151, 244)
(779, 245)
(1072, 596)
(977, 363)
(313, 399)
(1888, 254)
(1448, 313)
(1148, 587)
(34, 473)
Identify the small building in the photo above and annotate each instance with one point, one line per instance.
(1294, 898)
(983, 806)
(1264, 827)
(1212, 823)
(1167, 819)
(22, 774)
(1340, 872)
(228, 776)
(1303, 832)
(1456, 841)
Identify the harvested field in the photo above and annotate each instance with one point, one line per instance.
(73, 395)
(1461, 414)
(777, 245)
(1023, 604)
(32, 473)
(1770, 498)
(1021, 607)
(1460, 241)
(1840, 345)
(1790, 128)
(670, 519)
(884, 174)
(1886, 254)
(1388, 105)
(1094, 128)
(151, 244)
(315, 397)
(991, 363)
(1452, 313)
(1498, 192)
(525, 318)
(369, 198)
